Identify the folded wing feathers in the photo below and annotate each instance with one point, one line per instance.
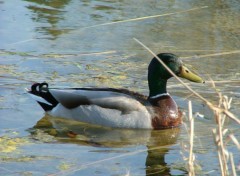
(71, 98)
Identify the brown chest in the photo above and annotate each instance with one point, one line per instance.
(166, 112)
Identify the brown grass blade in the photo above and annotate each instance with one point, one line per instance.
(213, 55)
(146, 17)
(191, 155)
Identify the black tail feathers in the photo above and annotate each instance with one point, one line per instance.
(42, 95)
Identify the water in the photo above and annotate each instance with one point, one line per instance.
(61, 42)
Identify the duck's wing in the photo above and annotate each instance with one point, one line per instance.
(119, 99)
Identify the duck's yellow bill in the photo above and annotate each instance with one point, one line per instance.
(187, 74)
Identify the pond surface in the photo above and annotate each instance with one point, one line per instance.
(72, 43)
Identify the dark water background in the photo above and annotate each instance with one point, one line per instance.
(64, 43)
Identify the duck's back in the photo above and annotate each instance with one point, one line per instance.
(102, 106)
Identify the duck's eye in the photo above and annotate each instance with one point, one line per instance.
(187, 71)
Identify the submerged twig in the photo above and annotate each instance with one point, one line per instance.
(146, 17)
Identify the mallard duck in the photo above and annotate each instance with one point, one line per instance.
(120, 108)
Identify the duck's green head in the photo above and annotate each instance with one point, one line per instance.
(158, 75)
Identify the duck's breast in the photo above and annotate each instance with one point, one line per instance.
(166, 112)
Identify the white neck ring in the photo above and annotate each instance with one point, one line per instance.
(159, 95)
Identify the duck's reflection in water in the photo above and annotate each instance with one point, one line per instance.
(156, 141)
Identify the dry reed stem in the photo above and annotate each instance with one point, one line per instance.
(219, 135)
(235, 141)
(97, 53)
(220, 132)
(232, 165)
(221, 146)
(146, 17)
(80, 54)
(220, 159)
(22, 41)
(191, 155)
(198, 50)
(214, 54)
(224, 81)
(209, 82)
